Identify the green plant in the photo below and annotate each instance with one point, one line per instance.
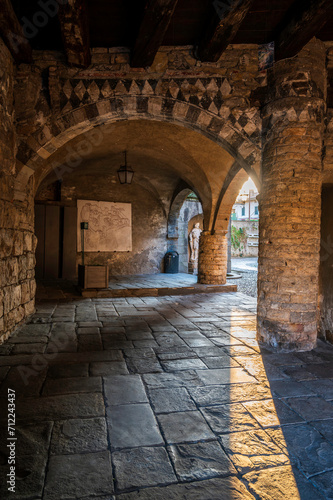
(238, 237)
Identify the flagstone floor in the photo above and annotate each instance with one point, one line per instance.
(163, 398)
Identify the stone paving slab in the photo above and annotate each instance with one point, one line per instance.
(178, 379)
(325, 483)
(310, 451)
(133, 425)
(184, 364)
(33, 439)
(229, 418)
(164, 397)
(325, 427)
(79, 436)
(26, 339)
(322, 387)
(73, 385)
(281, 483)
(148, 365)
(272, 413)
(28, 348)
(60, 407)
(76, 476)
(311, 408)
(211, 489)
(200, 461)
(225, 376)
(215, 395)
(183, 427)
(108, 368)
(124, 389)
(171, 400)
(27, 381)
(215, 362)
(252, 450)
(145, 466)
(287, 388)
(64, 371)
(30, 478)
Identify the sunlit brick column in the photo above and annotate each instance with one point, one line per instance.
(213, 258)
(290, 201)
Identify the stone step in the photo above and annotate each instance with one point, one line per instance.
(157, 292)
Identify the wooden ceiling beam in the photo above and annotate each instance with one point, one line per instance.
(12, 34)
(224, 25)
(301, 23)
(74, 23)
(155, 22)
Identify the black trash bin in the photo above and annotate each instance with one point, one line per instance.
(171, 262)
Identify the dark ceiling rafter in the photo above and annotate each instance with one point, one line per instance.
(12, 34)
(226, 20)
(155, 22)
(301, 23)
(73, 17)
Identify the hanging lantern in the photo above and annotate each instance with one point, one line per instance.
(125, 173)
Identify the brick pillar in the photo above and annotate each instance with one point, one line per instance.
(290, 201)
(213, 258)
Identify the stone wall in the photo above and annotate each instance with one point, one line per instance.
(17, 241)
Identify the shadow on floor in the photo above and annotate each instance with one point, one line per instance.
(163, 398)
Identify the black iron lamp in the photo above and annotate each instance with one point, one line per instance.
(125, 173)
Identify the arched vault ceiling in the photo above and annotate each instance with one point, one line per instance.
(160, 153)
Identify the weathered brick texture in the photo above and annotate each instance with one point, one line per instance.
(213, 258)
(290, 201)
(17, 240)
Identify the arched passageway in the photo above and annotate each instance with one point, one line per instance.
(170, 161)
(228, 136)
(185, 211)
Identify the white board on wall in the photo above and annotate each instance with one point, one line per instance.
(110, 226)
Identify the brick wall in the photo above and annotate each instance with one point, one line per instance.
(290, 201)
(213, 258)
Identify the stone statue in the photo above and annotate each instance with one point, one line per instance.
(194, 237)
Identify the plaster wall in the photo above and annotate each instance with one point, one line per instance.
(148, 223)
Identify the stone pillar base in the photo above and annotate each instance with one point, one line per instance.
(289, 336)
(213, 258)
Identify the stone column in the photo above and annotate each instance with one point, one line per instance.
(213, 258)
(290, 201)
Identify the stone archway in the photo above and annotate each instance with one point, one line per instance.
(37, 148)
(213, 256)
